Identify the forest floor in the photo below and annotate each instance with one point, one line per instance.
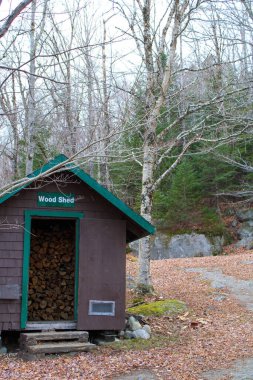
(212, 340)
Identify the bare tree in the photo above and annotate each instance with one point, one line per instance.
(14, 14)
(157, 39)
(188, 76)
(31, 122)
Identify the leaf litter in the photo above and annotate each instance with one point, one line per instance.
(212, 334)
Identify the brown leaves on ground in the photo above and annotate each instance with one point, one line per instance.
(210, 334)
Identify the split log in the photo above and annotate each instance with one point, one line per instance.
(52, 273)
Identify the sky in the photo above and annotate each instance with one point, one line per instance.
(102, 8)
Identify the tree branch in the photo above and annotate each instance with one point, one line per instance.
(13, 69)
(14, 14)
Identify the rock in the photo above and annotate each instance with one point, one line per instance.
(246, 230)
(189, 245)
(244, 215)
(246, 243)
(234, 223)
(147, 329)
(134, 324)
(247, 262)
(141, 333)
(185, 245)
(129, 334)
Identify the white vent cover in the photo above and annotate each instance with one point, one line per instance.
(101, 307)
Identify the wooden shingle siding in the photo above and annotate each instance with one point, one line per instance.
(101, 251)
(11, 308)
(102, 247)
(10, 263)
(9, 314)
(11, 236)
(4, 280)
(11, 245)
(5, 317)
(9, 254)
(89, 202)
(11, 272)
(15, 318)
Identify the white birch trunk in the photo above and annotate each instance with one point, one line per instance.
(146, 208)
(153, 107)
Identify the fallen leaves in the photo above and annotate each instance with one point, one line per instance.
(210, 334)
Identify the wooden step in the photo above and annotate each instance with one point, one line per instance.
(37, 345)
(29, 339)
(60, 347)
(53, 325)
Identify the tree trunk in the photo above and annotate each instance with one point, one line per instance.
(104, 170)
(15, 131)
(155, 99)
(31, 98)
(146, 208)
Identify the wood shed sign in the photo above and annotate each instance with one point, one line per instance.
(56, 200)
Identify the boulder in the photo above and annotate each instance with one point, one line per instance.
(189, 245)
(246, 243)
(135, 330)
(246, 230)
(185, 245)
(129, 334)
(134, 324)
(244, 215)
(141, 334)
(147, 329)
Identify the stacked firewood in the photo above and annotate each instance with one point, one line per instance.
(52, 274)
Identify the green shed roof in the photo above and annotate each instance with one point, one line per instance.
(106, 194)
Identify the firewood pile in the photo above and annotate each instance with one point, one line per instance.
(52, 273)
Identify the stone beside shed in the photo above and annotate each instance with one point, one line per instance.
(62, 252)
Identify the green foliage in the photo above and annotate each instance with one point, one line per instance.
(186, 202)
(211, 223)
(126, 178)
(181, 197)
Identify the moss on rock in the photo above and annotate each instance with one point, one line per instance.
(157, 308)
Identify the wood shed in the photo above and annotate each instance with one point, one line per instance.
(62, 252)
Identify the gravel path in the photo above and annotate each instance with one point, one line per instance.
(243, 291)
(241, 370)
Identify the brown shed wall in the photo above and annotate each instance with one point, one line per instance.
(102, 272)
(94, 208)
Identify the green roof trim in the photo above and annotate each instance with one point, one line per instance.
(106, 194)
